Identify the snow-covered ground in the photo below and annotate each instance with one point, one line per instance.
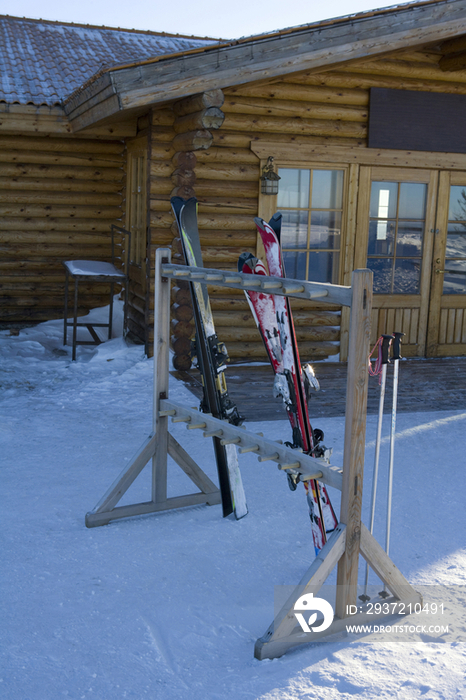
(169, 606)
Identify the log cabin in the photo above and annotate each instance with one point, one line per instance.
(364, 117)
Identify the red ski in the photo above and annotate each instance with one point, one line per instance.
(272, 314)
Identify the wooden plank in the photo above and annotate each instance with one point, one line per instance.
(126, 477)
(458, 326)
(383, 566)
(363, 156)
(189, 466)
(161, 377)
(194, 499)
(311, 582)
(330, 475)
(355, 431)
(275, 649)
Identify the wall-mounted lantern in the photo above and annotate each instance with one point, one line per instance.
(269, 178)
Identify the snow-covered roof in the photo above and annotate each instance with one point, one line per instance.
(42, 62)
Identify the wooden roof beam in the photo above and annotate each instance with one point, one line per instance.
(313, 48)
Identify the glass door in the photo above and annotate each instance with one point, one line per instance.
(447, 317)
(396, 210)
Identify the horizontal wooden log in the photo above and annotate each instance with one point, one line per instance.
(162, 117)
(354, 78)
(49, 158)
(251, 335)
(61, 145)
(44, 171)
(243, 140)
(228, 171)
(225, 239)
(186, 160)
(58, 211)
(73, 199)
(161, 151)
(184, 192)
(453, 62)
(81, 187)
(18, 223)
(196, 103)
(243, 318)
(287, 108)
(308, 350)
(160, 168)
(294, 125)
(135, 329)
(20, 239)
(211, 118)
(160, 185)
(228, 188)
(44, 251)
(229, 205)
(243, 156)
(163, 134)
(402, 69)
(225, 222)
(289, 91)
(193, 140)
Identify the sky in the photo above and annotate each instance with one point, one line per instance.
(201, 18)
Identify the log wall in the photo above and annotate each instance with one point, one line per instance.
(196, 152)
(58, 198)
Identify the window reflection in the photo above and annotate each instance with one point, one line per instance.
(311, 202)
(396, 230)
(454, 278)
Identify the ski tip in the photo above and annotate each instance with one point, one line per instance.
(246, 260)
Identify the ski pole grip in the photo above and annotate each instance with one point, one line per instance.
(386, 340)
(397, 345)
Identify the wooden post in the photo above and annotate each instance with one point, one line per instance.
(355, 436)
(161, 365)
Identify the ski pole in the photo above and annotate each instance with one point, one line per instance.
(384, 349)
(396, 358)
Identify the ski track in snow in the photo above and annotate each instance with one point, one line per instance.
(169, 606)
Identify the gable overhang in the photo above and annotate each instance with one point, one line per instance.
(314, 47)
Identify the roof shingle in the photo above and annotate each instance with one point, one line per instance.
(43, 62)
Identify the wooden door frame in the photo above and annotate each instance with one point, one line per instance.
(389, 311)
(439, 301)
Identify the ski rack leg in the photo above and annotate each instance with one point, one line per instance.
(160, 443)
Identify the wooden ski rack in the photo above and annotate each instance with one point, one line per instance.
(351, 537)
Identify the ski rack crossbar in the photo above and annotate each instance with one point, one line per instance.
(286, 457)
(351, 538)
(283, 286)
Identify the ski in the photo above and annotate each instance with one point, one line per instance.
(211, 356)
(273, 317)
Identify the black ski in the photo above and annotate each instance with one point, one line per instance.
(211, 355)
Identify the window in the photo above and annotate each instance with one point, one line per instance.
(311, 202)
(454, 279)
(396, 232)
